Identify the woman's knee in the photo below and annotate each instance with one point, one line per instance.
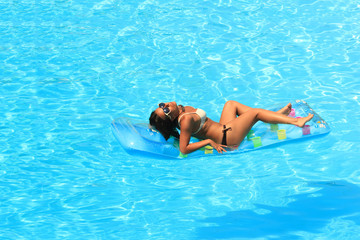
(239, 108)
(230, 103)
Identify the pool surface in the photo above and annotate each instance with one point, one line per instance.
(68, 68)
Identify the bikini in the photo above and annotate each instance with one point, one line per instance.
(223, 142)
(202, 114)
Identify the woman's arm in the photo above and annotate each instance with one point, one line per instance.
(185, 135)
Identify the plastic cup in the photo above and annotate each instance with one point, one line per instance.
(281, 134)
(274, 127)
(250, 135)
(183, 155)
(292, 113)
(256, 141)
(209, 150)
(306, 130)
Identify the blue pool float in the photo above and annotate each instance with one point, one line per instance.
(138, 138)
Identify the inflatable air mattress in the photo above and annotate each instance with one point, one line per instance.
(139, 138)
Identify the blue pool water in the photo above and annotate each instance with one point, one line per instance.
(68, 68)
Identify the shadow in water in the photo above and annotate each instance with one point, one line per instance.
(309, 212)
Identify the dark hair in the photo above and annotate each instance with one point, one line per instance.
(166, 127)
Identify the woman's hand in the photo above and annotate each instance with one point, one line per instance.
(217, 147)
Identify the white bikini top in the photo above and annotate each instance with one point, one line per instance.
(201, 113)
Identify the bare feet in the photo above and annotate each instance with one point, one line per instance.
(285, 110)
(301, 121)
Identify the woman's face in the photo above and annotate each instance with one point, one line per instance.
(174, 111)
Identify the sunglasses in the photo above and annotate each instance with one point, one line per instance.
(166, 110)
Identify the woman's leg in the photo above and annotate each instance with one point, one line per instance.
(242, 125)
(232, 109)
(275, 117)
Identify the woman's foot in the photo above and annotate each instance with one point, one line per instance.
(301, 121)
(285, 110)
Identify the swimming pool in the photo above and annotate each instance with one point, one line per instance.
(68, 68)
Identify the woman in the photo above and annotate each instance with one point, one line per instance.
(235, 123)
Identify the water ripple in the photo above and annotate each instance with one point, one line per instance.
(68, 68)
